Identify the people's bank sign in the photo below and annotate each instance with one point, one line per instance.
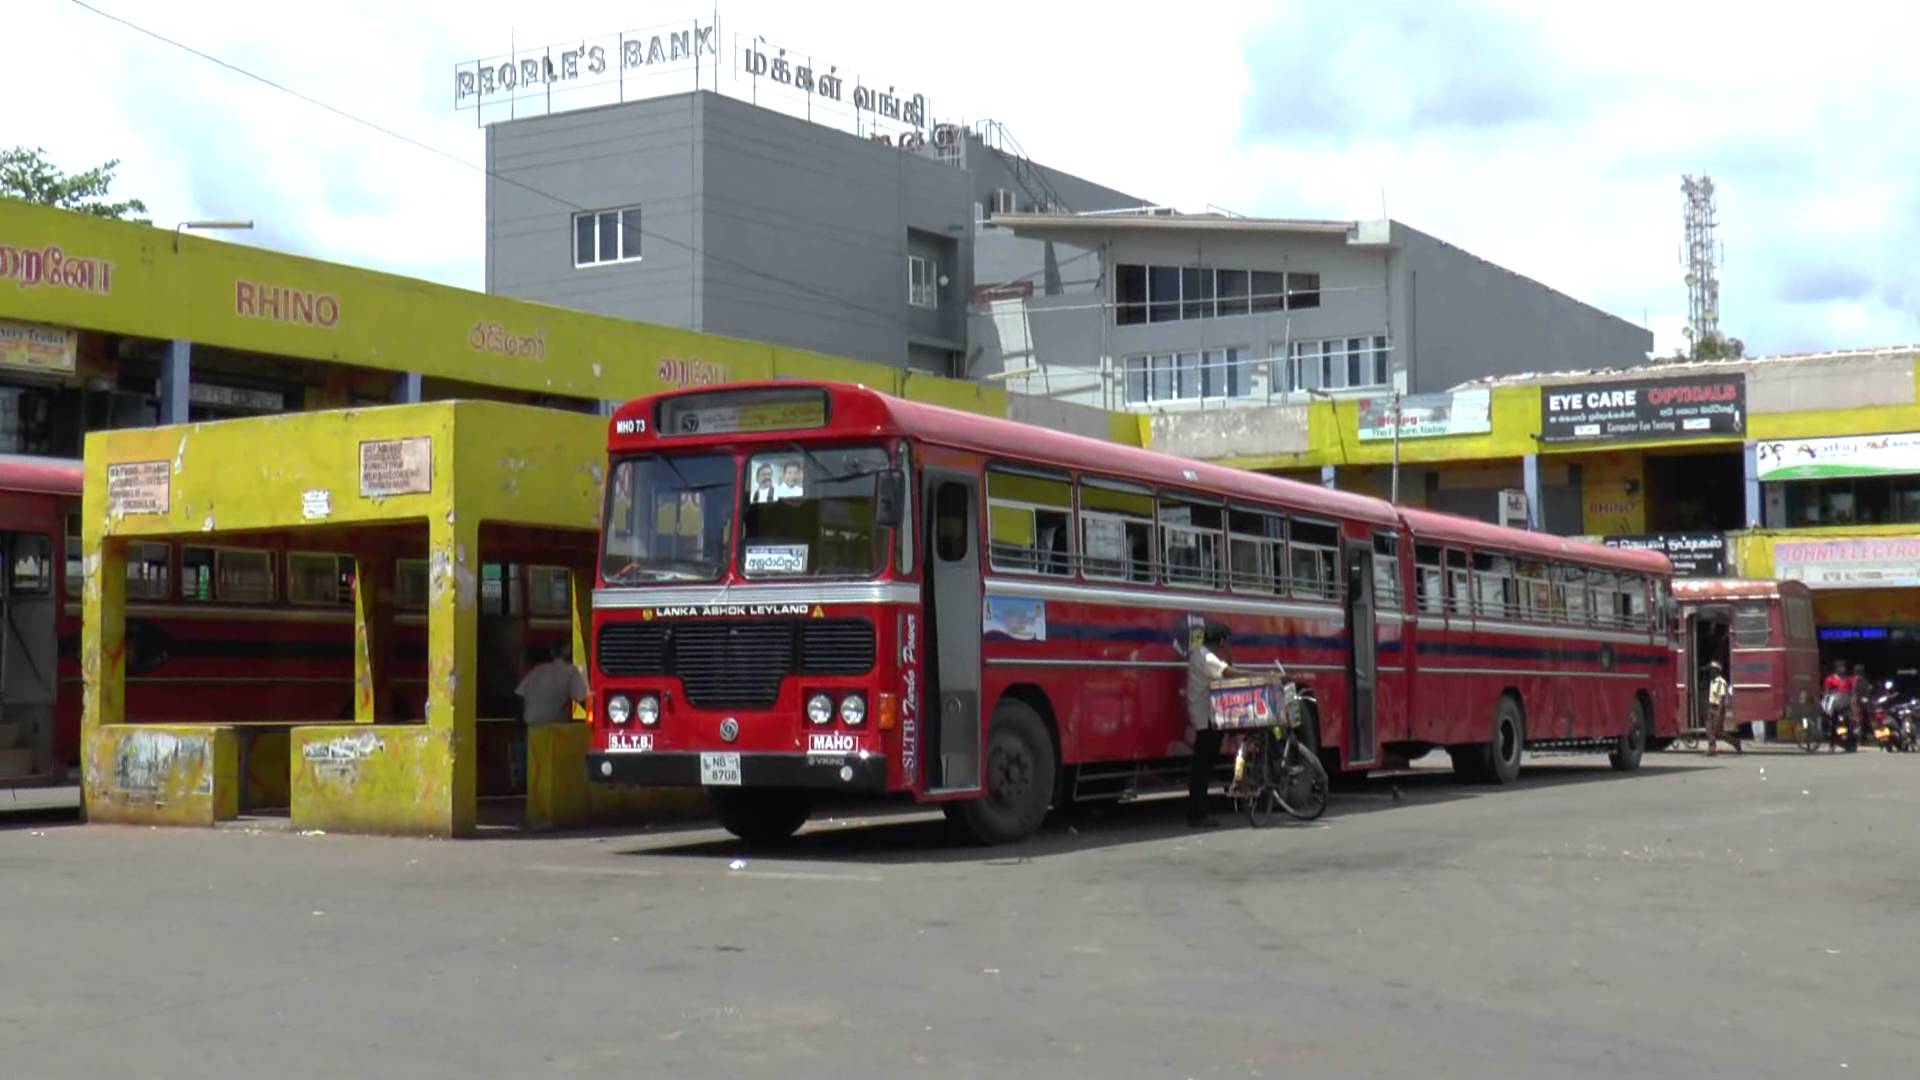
(588, 62)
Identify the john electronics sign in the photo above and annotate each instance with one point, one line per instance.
(1691, 407)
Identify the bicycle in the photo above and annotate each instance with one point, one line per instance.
(1274, 767)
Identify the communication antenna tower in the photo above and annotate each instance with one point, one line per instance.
(1702, 257)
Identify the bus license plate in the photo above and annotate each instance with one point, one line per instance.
(720, 770)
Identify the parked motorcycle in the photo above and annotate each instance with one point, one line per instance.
(1886, 733)
(1836, 712)
(1896, 720)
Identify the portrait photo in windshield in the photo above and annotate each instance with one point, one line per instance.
(776, 476)
(817, 516)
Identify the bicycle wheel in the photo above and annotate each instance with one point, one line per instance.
(1811, 737)
(1259, 784)
(1301, 786)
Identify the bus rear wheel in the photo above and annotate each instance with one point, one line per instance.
(1020, 777)
(763, 817)
(1633, 741)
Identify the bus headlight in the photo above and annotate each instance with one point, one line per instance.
(820, 709)
(853, 710)
(648, 709)
(619, 709)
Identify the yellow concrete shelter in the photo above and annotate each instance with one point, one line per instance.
(455, 479)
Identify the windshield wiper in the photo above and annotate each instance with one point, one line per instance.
(821, 466)
(686, 484)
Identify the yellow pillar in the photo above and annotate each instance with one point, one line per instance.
(103, 636)
(373, 634)
(453, 650)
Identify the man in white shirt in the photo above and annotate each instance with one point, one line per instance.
(1206, 662)
(1719, 700)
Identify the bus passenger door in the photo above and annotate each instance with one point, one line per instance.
(27, 655)
(1362, 738)
(953, 622)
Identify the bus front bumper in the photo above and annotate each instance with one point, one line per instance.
(852, 772)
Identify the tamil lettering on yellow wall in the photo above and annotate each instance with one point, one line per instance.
(53, 267)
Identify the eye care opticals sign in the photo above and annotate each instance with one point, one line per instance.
(1695, 406)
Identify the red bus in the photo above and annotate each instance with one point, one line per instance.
(254, 629)
(1762, 633)
(39, 716)
(813, 587)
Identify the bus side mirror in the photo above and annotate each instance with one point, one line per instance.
(890, 500)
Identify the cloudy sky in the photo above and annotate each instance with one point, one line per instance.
(1548, 137)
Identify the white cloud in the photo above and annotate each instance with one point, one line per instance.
(1550, 139)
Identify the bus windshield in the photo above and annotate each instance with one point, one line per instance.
(668, 519)
(810, 513)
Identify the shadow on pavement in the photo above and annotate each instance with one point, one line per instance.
(920, 834)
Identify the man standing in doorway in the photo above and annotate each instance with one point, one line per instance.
(546, 695)
(1719, 700)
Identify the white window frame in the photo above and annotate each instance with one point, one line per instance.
(923, 282)
(1226, 364)
(1329, 363)
(618, 217)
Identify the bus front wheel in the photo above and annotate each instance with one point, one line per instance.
(1020, 775)
(1496, 761)
(763, 817)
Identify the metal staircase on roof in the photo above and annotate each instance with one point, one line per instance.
(1039, 192)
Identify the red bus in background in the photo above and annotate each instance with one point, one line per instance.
(39, 717)
(813, 587)
(1763, 635)
(250, 629)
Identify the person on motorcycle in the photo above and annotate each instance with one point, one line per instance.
(1835, 698)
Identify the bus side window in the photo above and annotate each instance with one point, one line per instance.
(1028, 522)
(1428, 580)
(1190, 543)
(1494, 589)
(1752, 625)
(1313, 550)
(1256, 551)
(1386, 571)
(1459, 594)
(1116, 532)
(1573, 582)
(1536, 595)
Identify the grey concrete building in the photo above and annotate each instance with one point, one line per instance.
(703, 211)
(1181, 311)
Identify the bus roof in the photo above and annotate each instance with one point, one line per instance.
(1733, 588)
(1451, 528)
(861, 409)
(49, 476)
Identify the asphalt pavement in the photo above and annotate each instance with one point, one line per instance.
(1753, 917)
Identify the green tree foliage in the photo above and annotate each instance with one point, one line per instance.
(27, 174)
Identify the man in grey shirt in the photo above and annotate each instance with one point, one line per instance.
(549, 690)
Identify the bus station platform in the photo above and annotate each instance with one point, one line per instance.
(461, 536)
